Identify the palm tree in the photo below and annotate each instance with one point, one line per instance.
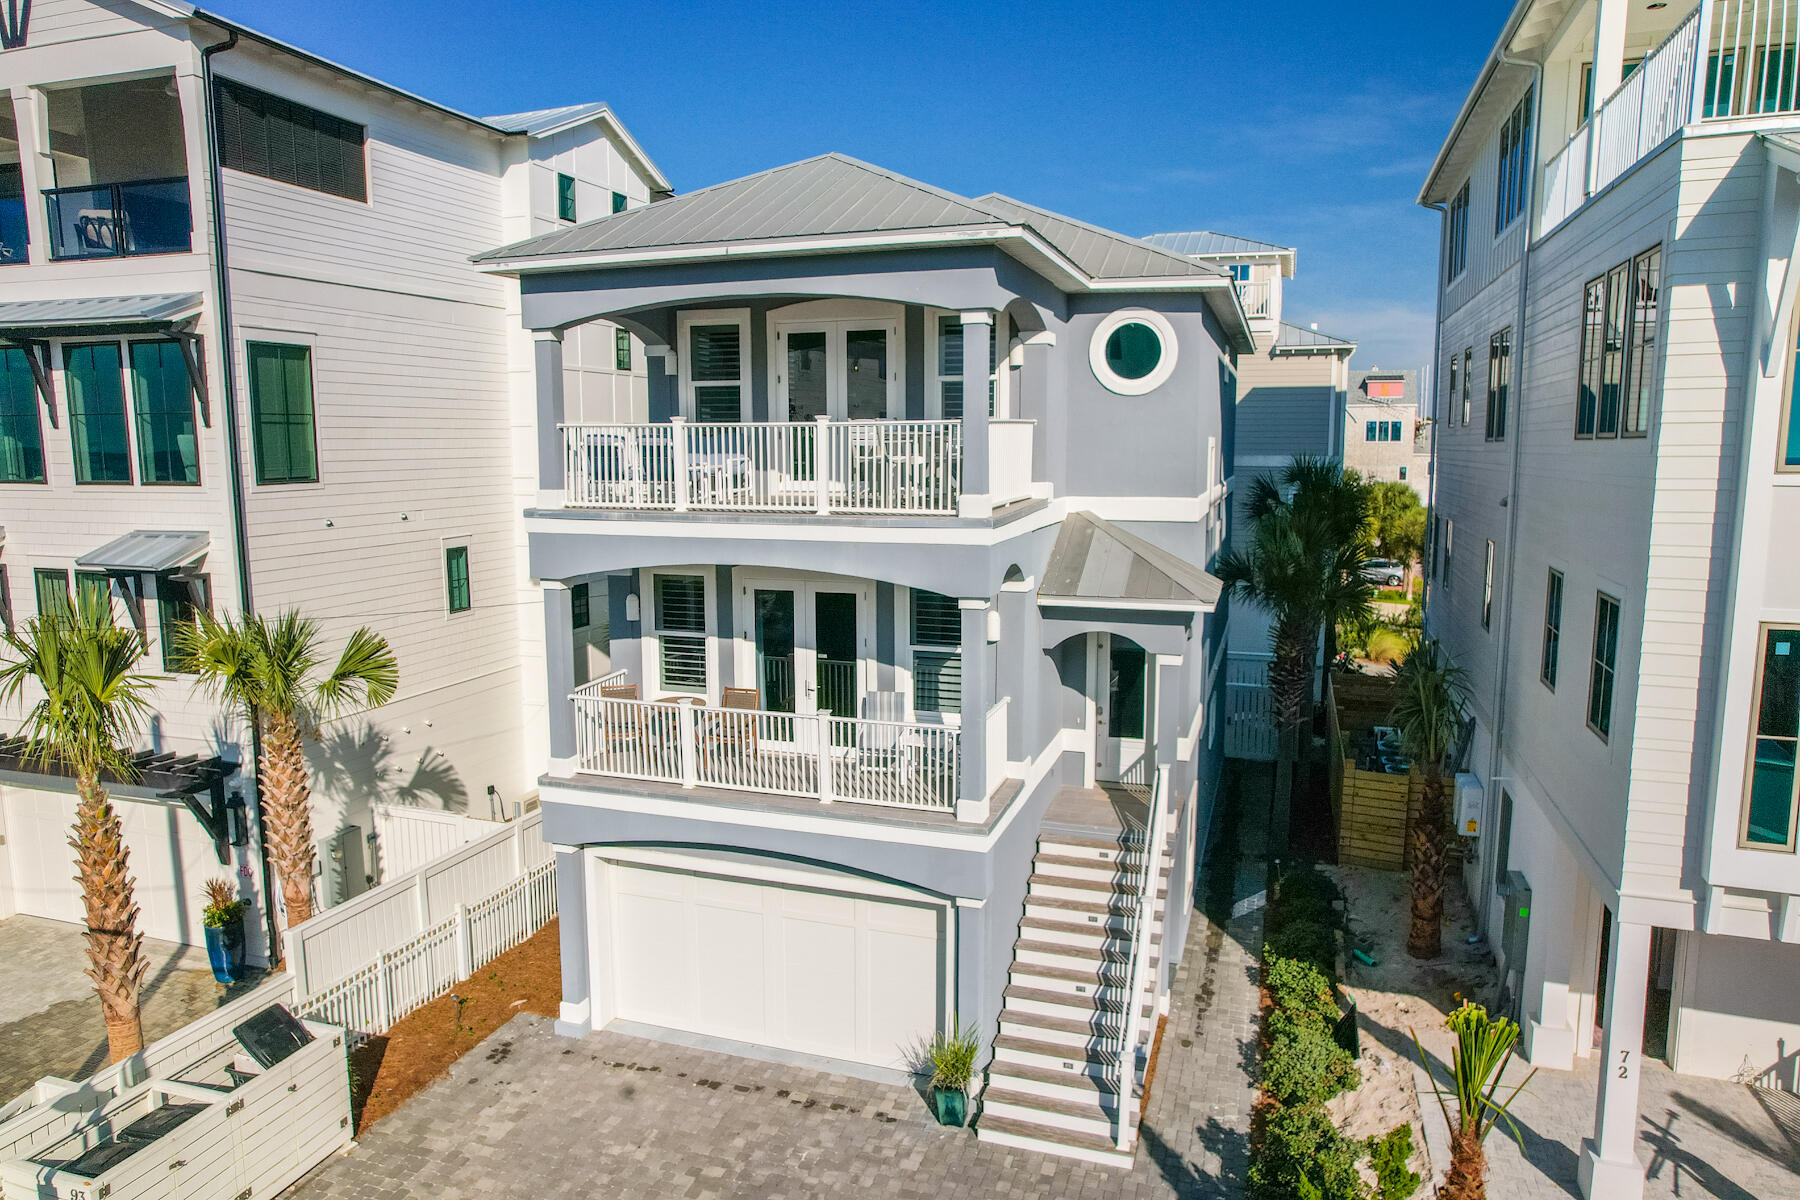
(1484, 1048)
(268, 669)
(94, 704)
(1429, 709)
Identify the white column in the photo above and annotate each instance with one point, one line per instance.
(35, 168)
(547, 363)
(1609, 1168)
(1609, 48)
(559, 676)
(974, 501)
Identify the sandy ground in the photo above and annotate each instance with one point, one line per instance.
(1400, 994)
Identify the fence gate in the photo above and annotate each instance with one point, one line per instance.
(1249, 711)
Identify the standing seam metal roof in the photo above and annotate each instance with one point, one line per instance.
(1096, 561)
(97, 310)
(1293, 337)
(1099, 252)
(1205, 242)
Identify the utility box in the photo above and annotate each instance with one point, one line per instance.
(1515, 936)
(1469, 796)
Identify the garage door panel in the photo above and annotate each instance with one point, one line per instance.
(903, 987)
(730, 962)
(37, 839)
(818, 984)
(653, 959)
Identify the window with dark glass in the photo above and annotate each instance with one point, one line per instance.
(1593, 341)
(621, 350)
(281, 413)
(179, 603)
(94, 589)
(1604, 666)
(1769, 789)
(565, 197)
(1133, 350)
(6, 605)
(1487, 587)
(716, 371)
(618, 202)
(162, 395)
(1456, 234)
(1511, 183)
(1450, 396)
(97, 413)
(1640, 372)
(1468, 383)
(21, 434)
(1499, 383)
(680, 616)
(1368, 431)
(1617, 367)
(936, 639)
(266, 135)
(1553, 598)
(456, 578)
(1449, 550)
(51, 589)
(579, 612)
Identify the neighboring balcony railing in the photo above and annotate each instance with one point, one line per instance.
(148, 216)
(898, 764)
(1258, 297)
(866, 467)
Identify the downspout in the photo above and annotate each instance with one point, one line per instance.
(1437, 418)
(240, 535)
(1515, 404)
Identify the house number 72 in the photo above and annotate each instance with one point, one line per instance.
(1624, 1064)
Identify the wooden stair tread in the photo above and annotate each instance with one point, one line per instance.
(1018, 991)
(1031, 922)
(1056, 1050)
(1056, 1104)
(1044, 1075)
(1049, 1133)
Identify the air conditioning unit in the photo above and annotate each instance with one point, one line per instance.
(1469, 795)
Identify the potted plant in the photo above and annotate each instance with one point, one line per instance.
(951, 1055)
(224, 920)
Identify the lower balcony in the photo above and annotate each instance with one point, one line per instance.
(114, 220)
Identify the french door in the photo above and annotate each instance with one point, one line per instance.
(1120, 675)
(844, 370)
(806, 645)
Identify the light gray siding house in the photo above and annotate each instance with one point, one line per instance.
(913, 709)
(1613, 561)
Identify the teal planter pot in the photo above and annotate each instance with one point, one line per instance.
(951, 1105)
(218, 953)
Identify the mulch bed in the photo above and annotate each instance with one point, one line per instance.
(385, 1072)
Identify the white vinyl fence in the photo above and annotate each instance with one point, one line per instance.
(1250, 731)
(408, 838)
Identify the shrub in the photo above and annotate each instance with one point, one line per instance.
(951, 1055)
(1390, 1156)
(1300, 990)
(1302, 1154)
(1306, 1067)
(1307, 941)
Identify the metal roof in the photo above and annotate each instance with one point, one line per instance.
(1097, 562)
(1204, 243)
(97, 310)
(1293, 337)
(150, 551)
(1101, 253)
(540, 121)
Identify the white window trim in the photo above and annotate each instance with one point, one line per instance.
(903, 662)
(836, 328)
(445, 545)
(683, 355)
(1165, 366)
(652, 635)
(1009, 350)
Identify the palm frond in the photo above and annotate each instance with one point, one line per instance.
(94, 701)
(366, 675)
(1430, 704)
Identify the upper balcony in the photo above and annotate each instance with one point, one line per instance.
(1750, 56)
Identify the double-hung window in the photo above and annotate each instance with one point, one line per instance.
(1499, 383)
(97, 424)
(281, 413)
(678, 613)
(935, 637)
(162, 396)
(1450, 396)
(1604, 667)
(717, 366)
(1553, 598)
(1617, 367)
(1640, 372)
(621, 350)
(1456, 234)
(21, 436)
(1515, 166)
(93, 589)
(179, 603)
(457, 596)
(1487, 587)
(1769, 787)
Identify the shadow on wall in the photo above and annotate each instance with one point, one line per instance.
(355, 767)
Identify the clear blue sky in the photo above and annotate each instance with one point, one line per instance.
(1289, 120)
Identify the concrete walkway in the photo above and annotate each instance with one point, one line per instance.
(528, 1114)
(50, 1020)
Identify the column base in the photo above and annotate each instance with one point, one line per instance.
(1549, 1046)
(573, 1020)
(976, 506)
(972, 810)
(561, 768)
(1603, 1179)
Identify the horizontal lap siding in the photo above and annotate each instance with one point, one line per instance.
(1284, 404)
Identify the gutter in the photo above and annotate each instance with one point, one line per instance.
(234, 474)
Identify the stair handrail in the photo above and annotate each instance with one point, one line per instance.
(1139, 962)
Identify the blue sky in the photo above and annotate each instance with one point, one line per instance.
(1290, 120)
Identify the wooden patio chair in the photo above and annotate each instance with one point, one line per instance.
(620, 691)
(733, 730)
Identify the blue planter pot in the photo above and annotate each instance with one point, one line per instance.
(950, 1105)
(218, 952)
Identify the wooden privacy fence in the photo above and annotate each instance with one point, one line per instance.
(1374, 809)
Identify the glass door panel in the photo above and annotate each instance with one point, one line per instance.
(807, 375)
(866, 374)
(835, 644)
(775, 649)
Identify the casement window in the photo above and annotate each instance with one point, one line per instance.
(678, 616)
(263, 134)
(715, 370)
(1437, 542)
(21, 434)
(1487, 587)
(1450, 396)
(97, 424)
(282, 434)
(1617, 367)
(565, 197)
(1770, 796)
(6, 603)
(94, 588)
(618, 202)
(1604, 667)
(52, 591)
(1468, 383)
(179, 603)
(162, 397)
(1553, 598)
(456, 579)
(580, 612)
(621, 350)
(1456, 234)
(1499, 383)
(1449, 551)
(1512, 180)
(935, 637)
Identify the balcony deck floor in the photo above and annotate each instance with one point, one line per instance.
(1106, 809)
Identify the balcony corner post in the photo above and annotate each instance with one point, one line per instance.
(974, 500)
(687, 736)
(823, 458)
(678, 442)
(547, 366)
(977, 693)
(1703, 35)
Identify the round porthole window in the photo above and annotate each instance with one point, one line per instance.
(1133, 351)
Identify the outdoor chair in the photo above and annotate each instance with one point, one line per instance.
(731, 729)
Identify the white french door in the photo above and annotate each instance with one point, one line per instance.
(1119, 679)
(844, 370)
(806, 645)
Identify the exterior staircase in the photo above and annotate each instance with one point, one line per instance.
(1053, 1084)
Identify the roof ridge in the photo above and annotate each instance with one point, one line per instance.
(1102, 230)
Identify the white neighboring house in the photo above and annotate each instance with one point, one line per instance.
(1615, 531)
(314, 402)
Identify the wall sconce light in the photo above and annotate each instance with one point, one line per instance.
(993, 626)
(631, 606)
(237, 820)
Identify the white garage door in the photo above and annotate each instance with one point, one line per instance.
(171, 858)
(799, 968)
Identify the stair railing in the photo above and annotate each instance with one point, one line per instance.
(1138, 923)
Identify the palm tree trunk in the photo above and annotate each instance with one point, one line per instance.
(287, 813)
(1467, 1177)
(114, 946)
(1290, 675)
(1425, 938)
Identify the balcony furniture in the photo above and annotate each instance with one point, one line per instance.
(731, 730)
(110, 220)
(619, 691)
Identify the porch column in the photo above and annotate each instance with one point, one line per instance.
(976, 327)
(1036, 380)
(547, 364)
(559, 675)
(35, 168)
(1018, 654)
(1609, 1168)
(1171, 715)
(977, 698)
(971, 977)
(576, 1015)
(1609, 71)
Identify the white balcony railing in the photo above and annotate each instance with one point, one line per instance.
(872, 467)
(900, 764)
(1258, 297)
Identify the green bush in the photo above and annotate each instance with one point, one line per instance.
(1300, 990)
(1302, 1154)
(1306, 1067)
(1307, 941)
(1389, 1155)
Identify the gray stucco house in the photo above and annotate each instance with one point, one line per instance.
(909, 706)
